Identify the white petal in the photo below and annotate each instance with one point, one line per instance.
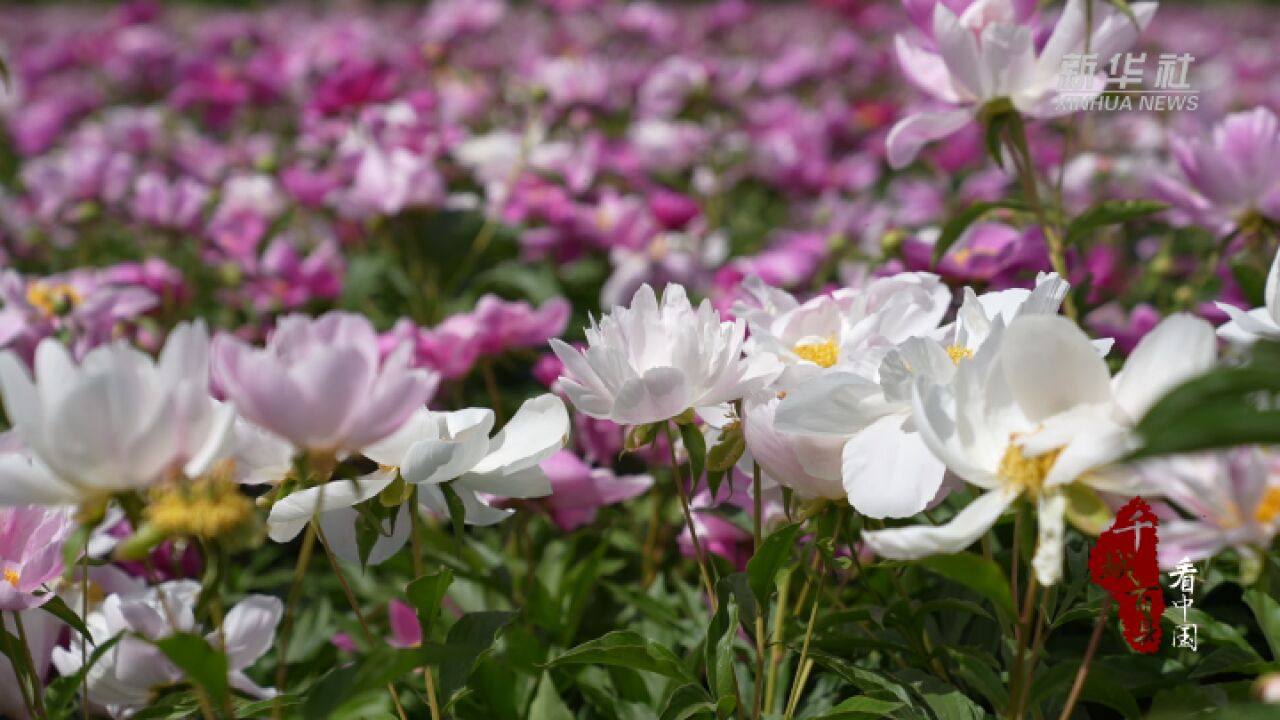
(25, 481)
(249, 629)
(539, 429)
(889, 473)
(1179, 348)
(340, 531)
(832, 404)
(291, 514)
(1051, 367)
(971, 523)
(1048, 558)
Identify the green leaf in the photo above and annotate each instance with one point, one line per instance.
(457, 511)
(199, 661)
(860, 708)
(426, 595)
(688, 701)
(769, 560)
(956, 226)
(719, 656)
(624, 648)
(977, 573)
(1109, 212)
(468, 640)
(696, 447)
(1267, 612)
(1224, 407)
(640, 436)
(56, 607)
(726, 453)
(547, 704)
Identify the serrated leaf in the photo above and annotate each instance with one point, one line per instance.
(625, 648)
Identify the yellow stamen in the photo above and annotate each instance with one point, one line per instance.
(1269, 507)
(53, 299)
(208, 507)
(958, 353)
(1026, 473)
(12, 576)
(823, 354)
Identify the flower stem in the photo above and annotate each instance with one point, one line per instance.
(20, 673)
(688, 519)
(1078, 686)
(775, 641)
(757, 527)
(415, 539)
(300, 570)
(802, 669)
(1017, 138)
(355, 608)
(1017, 677)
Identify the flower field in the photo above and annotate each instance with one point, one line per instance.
(591, 359)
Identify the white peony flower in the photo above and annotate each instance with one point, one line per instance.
(649, 362)
(117, 421)
(1259, 323)
(843, 335)
(430, 449)
(1033, 411)
(126, 676)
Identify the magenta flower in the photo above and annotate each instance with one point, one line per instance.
(1232, 174)
(990, 253)
(578, 491)
(970, 53)
(1127, 327)
(320, 383)
(720, 535)
(85, 305)
(30, 553)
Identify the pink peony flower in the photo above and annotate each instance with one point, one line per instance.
(30, 554)
(320, 383)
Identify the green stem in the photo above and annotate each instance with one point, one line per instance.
(688, 519)
(415, 538)
(1017, 138)
(1083, 673)
(286, 630)
(355, 608)
(757, 527)
(802, 669)
(21, 671)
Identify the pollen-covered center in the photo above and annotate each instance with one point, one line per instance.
(1268, 507)
(53, 300)
(823, 353)
(958, 353)
(1026, 473)
(209, 507)
(12, 577)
